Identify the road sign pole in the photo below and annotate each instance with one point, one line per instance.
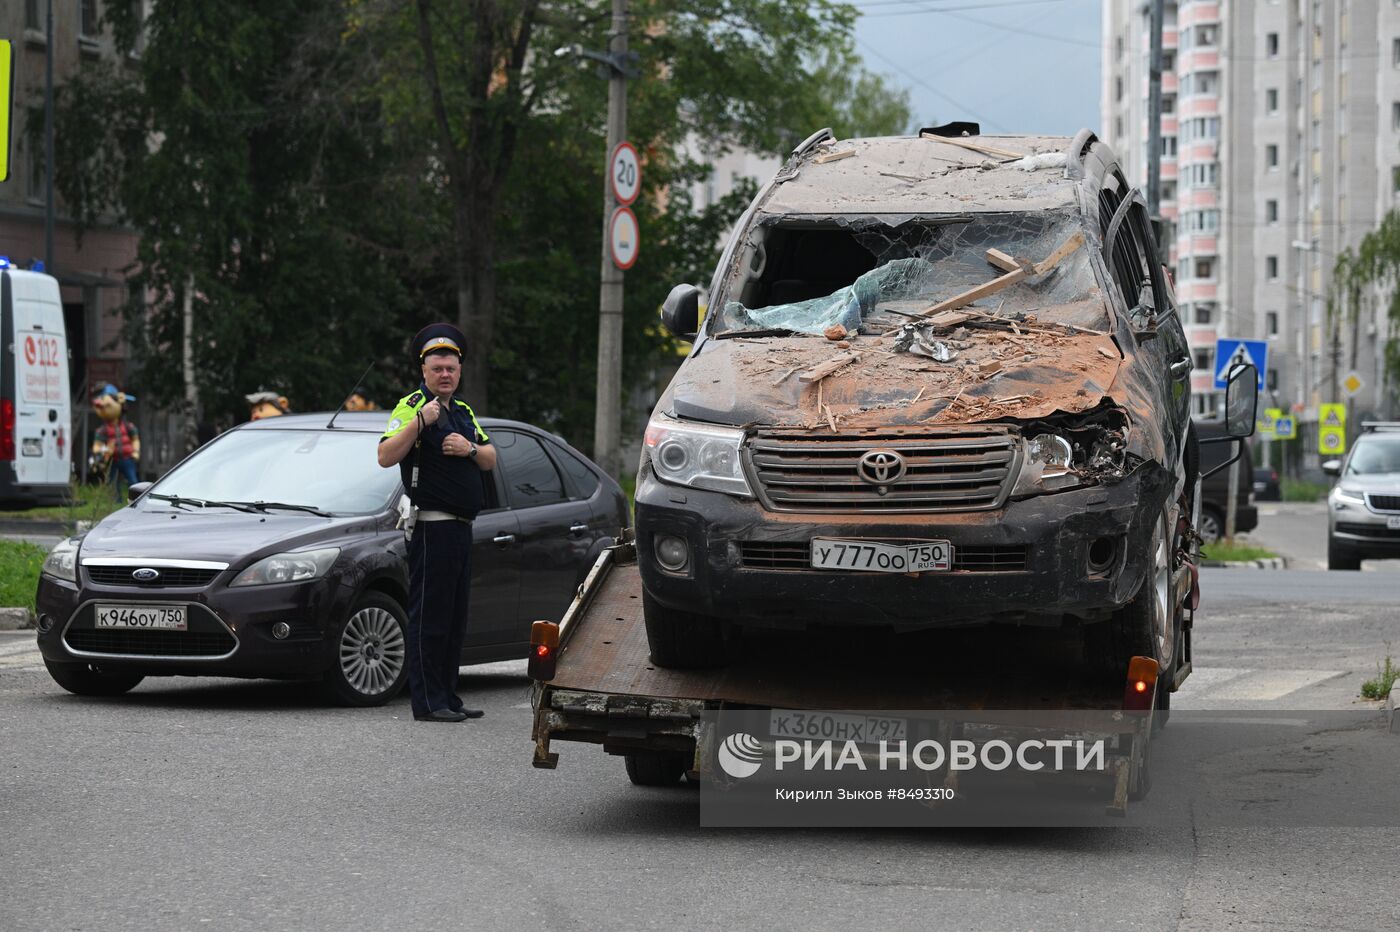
(607, 422)
(1233, 493)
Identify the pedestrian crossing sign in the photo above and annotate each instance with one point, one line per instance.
(1264, 427)
(7, 84)
(1230, 353)
(1332, 415)
(1332, 429)
(1285, 428)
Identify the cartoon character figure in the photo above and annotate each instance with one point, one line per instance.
(116, 447)
(358, 401)
(267, 404)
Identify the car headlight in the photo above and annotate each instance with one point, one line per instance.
(294, 566)
(697, 455)
(1343, 497)
(62, 561)
(1047, 466)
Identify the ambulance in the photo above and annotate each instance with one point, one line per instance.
(36, 424)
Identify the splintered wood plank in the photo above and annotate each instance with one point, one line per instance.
(975, 146)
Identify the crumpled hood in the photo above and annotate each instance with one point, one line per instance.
(992, 375)
(215, 534)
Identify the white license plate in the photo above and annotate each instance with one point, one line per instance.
(32, 446)
(148, 617)
(926, 556)
(834, 726)
(1393, 522)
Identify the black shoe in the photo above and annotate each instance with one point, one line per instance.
(442, 715)
(471, 713)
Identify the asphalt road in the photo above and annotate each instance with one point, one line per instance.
(1298, 531)
(228, 804)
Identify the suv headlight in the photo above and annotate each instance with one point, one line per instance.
(294, 566)
(1047, 466)
(1343, 498)
(697, 455)
(62, 561)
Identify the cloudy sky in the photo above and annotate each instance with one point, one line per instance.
(1015, 66)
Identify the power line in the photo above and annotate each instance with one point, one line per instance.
(920, 11)
(929, 87)
(1024, 32)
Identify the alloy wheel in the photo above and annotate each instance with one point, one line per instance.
(372, 651)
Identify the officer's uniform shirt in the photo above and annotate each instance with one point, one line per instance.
(445, 483)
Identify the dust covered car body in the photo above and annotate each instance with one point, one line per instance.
(936, 386)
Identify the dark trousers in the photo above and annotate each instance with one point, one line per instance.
(439, 585)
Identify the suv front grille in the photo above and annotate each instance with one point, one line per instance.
(1383, 502)
(170, 576)
(956, 471)
(788, 555)
(1368, 530)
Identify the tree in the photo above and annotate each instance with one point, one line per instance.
(1371, 271)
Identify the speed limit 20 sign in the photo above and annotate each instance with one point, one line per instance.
(625, 170)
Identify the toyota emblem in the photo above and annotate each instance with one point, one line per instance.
(881, 467)
(145, 574)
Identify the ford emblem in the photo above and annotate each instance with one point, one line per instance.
(145, 574)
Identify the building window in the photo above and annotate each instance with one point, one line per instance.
(1202, 357)
(1117, 127)
(1168, 147)
(1169, 103)
(1202, 221)
(1202, 315)
(1118, 48)
(1395, 117)
(1201, 128)
(1205, 268)
(1395, 52)
(1271, 268)
(1271, 380)
(1271, 157)
(1271, 323)
(1271, 100)
(32, 18)
(1395, 180)
(1202, 174)
(1117, 88)
(1168, 190)
(1206, 35)
(1271, 45)
(1206, 82)
(1271, 211)
(87, 18)
(1168, 59)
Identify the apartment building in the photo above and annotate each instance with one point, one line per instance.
(1280, 148)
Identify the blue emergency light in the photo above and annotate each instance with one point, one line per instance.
(4, 262)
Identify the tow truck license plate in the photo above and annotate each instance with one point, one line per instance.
(1393, 522)
(821, 726)
(926, 556)
(148, 617)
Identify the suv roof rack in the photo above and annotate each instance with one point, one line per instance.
(1368, 426)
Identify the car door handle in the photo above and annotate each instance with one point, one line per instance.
(577, 529)
(504, 540)
(1181, 368)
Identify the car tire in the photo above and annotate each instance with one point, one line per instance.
(1212, 526)
(683, 640)
(1340, 558)
(85, 679)
(370, 662)
(652, 768)
(1147, 626)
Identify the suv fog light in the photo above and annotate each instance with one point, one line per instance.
(45, 623)
(281, 630)
(672, 552)
(1101, 554)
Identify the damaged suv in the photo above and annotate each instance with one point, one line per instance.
(941, 382)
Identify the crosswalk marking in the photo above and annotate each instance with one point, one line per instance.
(20, 654)
(22, 647)
(1234, 684)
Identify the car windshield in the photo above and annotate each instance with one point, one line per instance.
(328, 470)
(875, 276)
(1375, 456)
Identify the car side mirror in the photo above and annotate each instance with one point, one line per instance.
(133, 492)
(1241, 400)
(680, 312)
(1332, 467)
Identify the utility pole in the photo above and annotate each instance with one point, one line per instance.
(48, 141)
(1154, 122)
(607, 423)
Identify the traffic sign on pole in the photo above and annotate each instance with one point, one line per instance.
(1264, 426)
(1230, 353)
(7, 84)
(1352, 384)
(625, 172)
(1285, 427)
(1332, 429)
(623, 238)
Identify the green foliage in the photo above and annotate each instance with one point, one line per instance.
(1374, 264)
(19, 573)
(1299, 490)
(83, 503)
(1234, 550)
(1379, 686)
(290, 162)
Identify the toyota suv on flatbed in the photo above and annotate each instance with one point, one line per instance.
(941, 382)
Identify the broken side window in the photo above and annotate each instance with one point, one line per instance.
(873, 275)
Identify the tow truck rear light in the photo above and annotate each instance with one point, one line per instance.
(7, 430)
(544, 650)
(1142, 685)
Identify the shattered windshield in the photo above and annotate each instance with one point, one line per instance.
(872, 277)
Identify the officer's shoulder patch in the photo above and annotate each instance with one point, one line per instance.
(412, 400)
(395, 424)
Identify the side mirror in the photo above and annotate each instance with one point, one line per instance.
(134, 492)
(1332, 467)
(680, 312)
(1241, 400)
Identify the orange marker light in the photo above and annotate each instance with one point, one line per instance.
(544, 650)
(1141, 686)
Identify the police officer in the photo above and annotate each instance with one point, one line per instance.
(440, 450)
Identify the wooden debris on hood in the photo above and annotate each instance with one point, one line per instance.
(1010, 278)
(817, 373)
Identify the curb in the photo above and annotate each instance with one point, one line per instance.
(1272, 563)
(1391, 703)
(15, 619)
(46, 527)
